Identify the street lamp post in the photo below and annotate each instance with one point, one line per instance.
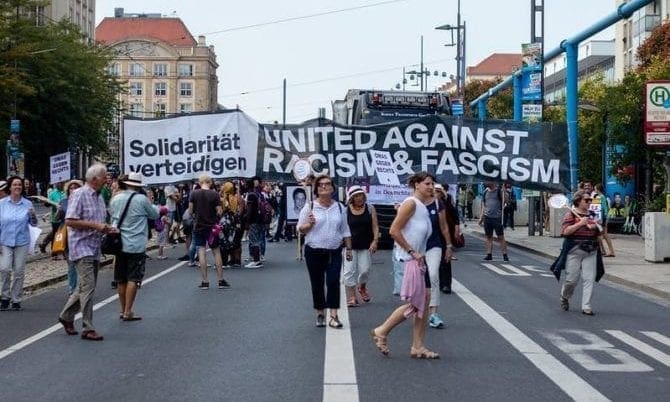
(460, 48)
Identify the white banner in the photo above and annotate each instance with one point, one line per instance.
(59, 168)
(183, 148)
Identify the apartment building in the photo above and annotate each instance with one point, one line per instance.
(167, 71)
(631, 32)
(79, 12)
(593, 57)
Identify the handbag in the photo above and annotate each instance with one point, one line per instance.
(59, 243)
(111, 242)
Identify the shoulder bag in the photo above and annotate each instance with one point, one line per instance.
(111, 242)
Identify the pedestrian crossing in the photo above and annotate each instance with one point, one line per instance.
(506, 269)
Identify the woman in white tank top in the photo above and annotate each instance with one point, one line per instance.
(410, 230)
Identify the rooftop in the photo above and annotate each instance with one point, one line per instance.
(497, 64)
(169, 30)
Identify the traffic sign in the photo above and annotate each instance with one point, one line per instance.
(657, 113)
(14, 126)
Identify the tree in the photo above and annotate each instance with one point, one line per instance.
(64, 98)
(656, 46)
(499, 106)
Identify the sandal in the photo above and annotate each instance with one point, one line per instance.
(608, 255)
(364, 293)
(424, 353)
(380, 342)
(335, 322)
(131, 317)
(352, 302)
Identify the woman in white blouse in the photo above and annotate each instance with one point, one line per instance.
(324, 224)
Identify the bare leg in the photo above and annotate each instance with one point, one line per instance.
(121, 291)
(503, 244)
(489, 244)
(216, 252)
(202, 262)
(396, 317)
(419, 329)
(131, 292)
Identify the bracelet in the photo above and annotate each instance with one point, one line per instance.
(449, 245)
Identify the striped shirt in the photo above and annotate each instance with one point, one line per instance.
(85, 204)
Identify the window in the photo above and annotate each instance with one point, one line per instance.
(160, 109)
(161, 70)
(136, 88)
(185, 108)
(185, 89)
(160, 89)
(136, 109)
(186, 70)
(113, 69)
(136, 69)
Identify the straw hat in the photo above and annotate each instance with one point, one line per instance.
(134, 179)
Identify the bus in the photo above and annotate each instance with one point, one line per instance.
(362, 107)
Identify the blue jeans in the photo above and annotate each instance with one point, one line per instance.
(398, 273)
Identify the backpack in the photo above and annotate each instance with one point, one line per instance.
(159, 225)
(265, 210)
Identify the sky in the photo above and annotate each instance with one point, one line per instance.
(325, 47)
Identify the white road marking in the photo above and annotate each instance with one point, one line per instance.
(567, 380)
(512, 268)
(339, 371)
(533, 268)
(517, 272)
(46, 332)
(590, 351)
(657, 337)
(641, 346)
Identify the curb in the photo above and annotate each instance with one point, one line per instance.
(609, 277)
(60, 278)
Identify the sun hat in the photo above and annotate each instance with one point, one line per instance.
(353, 190)
(3, 185)
(134, 179)
(71, 182)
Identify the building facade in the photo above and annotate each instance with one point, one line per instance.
(631, 32)
(593, 57)
(166, 70)
(78, 12)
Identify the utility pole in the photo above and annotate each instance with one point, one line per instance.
(284, 106)
(422, 72)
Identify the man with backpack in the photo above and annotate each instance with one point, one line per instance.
(493, 200)
(258, 215)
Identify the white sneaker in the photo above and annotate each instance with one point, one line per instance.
(262, 258)
(254, 264)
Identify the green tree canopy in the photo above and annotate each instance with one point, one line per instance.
(57, 86)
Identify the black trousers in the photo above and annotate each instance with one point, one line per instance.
(324, 268)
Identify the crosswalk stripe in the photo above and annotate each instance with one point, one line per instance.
(657, 337)
(641, 346)
(517, 272)
(515, 269)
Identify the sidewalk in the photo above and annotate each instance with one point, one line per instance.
(628, 268)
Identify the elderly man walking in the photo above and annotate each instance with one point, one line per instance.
(129, 266)
(85, 218)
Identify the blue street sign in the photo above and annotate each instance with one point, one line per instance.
(14, 126)
(457, 107)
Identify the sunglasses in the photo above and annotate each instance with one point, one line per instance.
(587, 199)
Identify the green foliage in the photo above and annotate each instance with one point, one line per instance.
(499, 106)
(58, 84)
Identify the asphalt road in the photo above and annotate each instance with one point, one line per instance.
(505, 340)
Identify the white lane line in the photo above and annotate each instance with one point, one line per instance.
(339, 371)
(512, 268)
(542, 272)
(641, 346)
(46, 332)
(567, 380)
(499, 271)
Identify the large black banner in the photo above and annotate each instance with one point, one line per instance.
(533, 156)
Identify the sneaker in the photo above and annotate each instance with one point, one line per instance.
(223, 284)
(488, 257)
(4, 305)
(192, 264)
(254, 264)
(17, 307)
(505, 257)
(184, 257)
(203, 286)
(262, 258)
(435, 321)
(113, 284)
(320, 320)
